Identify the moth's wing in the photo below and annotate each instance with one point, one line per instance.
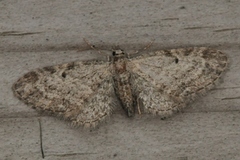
(81, 92)
(150, 99)
(165, 81)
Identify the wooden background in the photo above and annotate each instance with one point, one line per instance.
(37, 33)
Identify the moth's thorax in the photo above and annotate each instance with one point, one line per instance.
(119, 61)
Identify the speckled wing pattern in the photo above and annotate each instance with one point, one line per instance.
(162, 82)
(165, 81)
(81, 92)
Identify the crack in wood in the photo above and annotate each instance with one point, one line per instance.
(41, 142)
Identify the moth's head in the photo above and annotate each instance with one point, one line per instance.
(118, 53)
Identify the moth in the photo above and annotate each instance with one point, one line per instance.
(160, 82)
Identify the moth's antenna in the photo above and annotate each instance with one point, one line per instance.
(91, 46)
(115, 47)
(94, 48)
(142, 49)
(146, 47)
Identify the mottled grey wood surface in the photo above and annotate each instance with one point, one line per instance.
(35, 34)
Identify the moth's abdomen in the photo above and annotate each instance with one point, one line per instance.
(122, 85)
(124, 92)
